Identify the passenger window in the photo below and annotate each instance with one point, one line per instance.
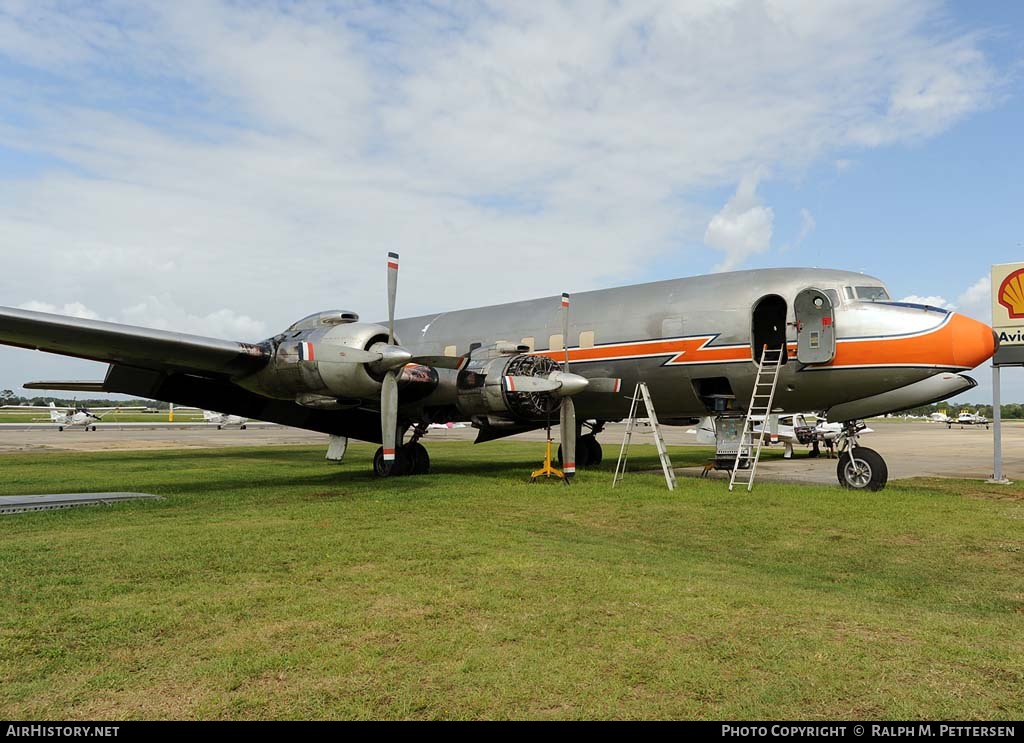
(587, 339)
(555, 343)
(450, 351)
(528, 342)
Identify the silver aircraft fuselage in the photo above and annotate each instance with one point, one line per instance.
(683, 336)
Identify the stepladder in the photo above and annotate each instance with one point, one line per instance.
(758, 413)
(642, 396)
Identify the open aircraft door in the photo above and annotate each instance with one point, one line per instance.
(815, 327)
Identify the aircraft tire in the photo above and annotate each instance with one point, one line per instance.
(243, 427)
(583, 454)
(866, 470)
(594, 446)
(402, 465)
(815, 452)
(60, 428)
(382, 468)
(219, 428)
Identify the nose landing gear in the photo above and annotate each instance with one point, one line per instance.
(859, 467)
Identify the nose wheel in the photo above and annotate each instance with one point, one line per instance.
(859, 467)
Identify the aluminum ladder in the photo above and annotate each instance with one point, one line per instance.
(760, 405)
(642, 395)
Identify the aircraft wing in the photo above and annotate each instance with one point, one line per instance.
(145, 348)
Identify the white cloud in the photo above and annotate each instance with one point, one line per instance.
(165, 314)
(74, 309)
(266, 158)
(743, 227)
(976, 300)
(807, 225)
(932, 300)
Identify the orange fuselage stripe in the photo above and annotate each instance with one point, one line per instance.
(934, 348)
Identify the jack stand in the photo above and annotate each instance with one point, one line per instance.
(548, 470)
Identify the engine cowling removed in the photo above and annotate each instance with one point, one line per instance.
(481, 390)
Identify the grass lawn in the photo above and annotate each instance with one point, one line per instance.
(272, 584)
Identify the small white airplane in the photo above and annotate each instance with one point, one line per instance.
(969, 419)
(224, 419)
(791, 430)
(71, 417)
(221, 420)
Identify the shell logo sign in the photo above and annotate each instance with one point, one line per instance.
(1011, 294)
(1008, 312)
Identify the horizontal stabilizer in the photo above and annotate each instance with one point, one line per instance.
(70, 386)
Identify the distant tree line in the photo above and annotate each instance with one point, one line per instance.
(7, 397)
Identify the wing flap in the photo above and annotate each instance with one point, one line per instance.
(127, 344)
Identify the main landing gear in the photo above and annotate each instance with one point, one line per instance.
(410, 459)
(859, 468)
(588, 448)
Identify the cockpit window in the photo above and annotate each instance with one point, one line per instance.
(872, 293)
(848, 291)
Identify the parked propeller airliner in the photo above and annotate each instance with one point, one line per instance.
(851, 353)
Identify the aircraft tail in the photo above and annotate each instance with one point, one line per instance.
(54, 413)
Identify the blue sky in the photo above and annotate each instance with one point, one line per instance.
(225, 168)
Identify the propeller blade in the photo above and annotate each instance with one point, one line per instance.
(392, 294)
(604, 384)
(389, 415)
(567, 430)
(530, 384)
(329, 352)
(565, 329)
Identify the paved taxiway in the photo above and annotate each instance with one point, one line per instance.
(913, 449)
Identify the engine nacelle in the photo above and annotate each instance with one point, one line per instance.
(306, 360)
(480, 390)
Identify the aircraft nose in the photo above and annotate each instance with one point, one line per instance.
(973, 342)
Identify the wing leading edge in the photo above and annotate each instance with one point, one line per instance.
(127, 344)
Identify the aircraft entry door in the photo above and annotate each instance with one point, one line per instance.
(815, 327)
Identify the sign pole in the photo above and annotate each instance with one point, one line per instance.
(997, 431)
